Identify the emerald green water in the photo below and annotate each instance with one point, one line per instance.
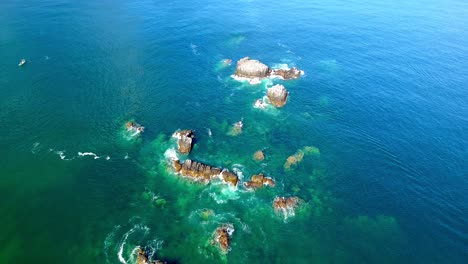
(382, 103)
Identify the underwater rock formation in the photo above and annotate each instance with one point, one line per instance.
(278, 95)
(222, 237)
(258, 155)
(142, 258)
(286, 206)
(287, 74)
(248, 68)
(258, 181)
(297, 157)
(185, 140)
(201, 172)
(236, 128)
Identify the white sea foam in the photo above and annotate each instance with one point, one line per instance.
(35, 147)
(171, 154)
(252, 81)
(135, 228)
(194, 48)
(209, 132)
(82, 154)
(107, 158)
(126, 156)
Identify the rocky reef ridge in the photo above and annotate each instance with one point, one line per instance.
(198, 171)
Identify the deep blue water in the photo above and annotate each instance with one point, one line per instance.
(384, 97)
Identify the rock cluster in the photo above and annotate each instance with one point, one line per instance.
(142, 258)
(258, 181)
(202, 172)
(286, 205)
(248, 68)
(278, 95)
(222, 237)
(287, 74)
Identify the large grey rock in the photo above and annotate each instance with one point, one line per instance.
(252, 68)
(278, 95)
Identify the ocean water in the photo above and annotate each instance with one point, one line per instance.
(384, 99)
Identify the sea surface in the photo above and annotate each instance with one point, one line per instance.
(383, 103)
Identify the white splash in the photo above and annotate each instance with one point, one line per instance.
(82, 154)
(194, 48)
(209, 132)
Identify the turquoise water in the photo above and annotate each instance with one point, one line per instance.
(384, 99)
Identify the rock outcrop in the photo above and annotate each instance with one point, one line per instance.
(143, 258)
(278, 95)
(258, 181)
(258, 155)
(248, 68)
(256, 70)
(222, 237)
(287, 74)
(286, 206)
(205, 173)
(185, 140)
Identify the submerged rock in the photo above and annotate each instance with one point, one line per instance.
(185, 140)
(286, 206)
(278, 95)
(236, 128)
(227, 62)
(143, 258)
(222, 237)
(258, 155)
(287, 74)
(297, 157)
(258, 181)
(248, 68)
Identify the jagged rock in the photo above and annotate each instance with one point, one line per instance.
(292, 73)
(227, 62)
(229, 177)
(251, 68)
(222, 237)
(258, 155)
(258, 181)
(286, 205)
(184, 140)
(142, 258)
(278, 95)
(177, 166)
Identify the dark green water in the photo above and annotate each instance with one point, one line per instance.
(383, 98)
